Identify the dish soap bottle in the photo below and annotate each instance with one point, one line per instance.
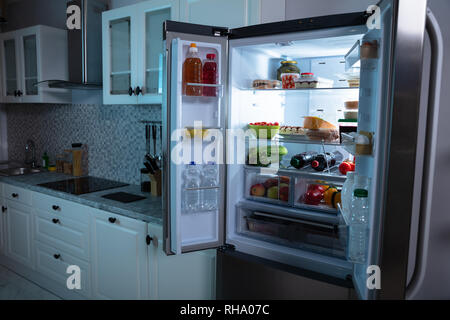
(45, 160)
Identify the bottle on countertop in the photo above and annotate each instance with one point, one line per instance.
(45, 160)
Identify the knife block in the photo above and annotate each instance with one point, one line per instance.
(155, 182)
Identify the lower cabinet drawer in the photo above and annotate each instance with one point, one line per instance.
(63, 233)
(53, 263)
(17, 194)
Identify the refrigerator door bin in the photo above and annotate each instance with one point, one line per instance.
(322, 238)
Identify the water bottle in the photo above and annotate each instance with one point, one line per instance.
(191, 185)
(359, 226)
(209, 196)
(347, 190)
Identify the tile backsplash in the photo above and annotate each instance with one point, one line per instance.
(113, 133)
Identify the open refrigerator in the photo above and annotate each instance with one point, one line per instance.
(279, 225)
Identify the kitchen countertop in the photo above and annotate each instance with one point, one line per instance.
(148, 210)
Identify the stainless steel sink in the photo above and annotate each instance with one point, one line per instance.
(18, 171)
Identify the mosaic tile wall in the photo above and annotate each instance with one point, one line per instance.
(113, 133)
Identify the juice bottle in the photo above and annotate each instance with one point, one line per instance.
(210, 75)
(192, 72)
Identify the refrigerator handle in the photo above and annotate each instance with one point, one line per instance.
(437, 58)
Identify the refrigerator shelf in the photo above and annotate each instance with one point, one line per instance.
(326, 90)
(333, 176)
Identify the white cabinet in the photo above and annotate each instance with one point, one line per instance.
(230, 13)
(190, 276)
(119, 257)
(133, 51)
(19, 233)
(29, 56)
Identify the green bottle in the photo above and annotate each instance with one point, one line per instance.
(45, 160)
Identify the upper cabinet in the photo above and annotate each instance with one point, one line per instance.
(133, 52)
(230, 13)
(29, 56)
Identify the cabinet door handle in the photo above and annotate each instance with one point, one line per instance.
(15, 195)
(56, 256)
(19, 93)
(130, 91)
(137, 91)
(56, 208)
(148, 239)
(55, 221)
(4, 209)
(15, 93)
(112, 220)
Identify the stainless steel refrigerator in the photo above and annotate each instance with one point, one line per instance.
(397, 86)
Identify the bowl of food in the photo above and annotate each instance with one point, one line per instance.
(265, 130)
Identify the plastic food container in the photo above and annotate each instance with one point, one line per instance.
(347, 126)
(351, 114)
(288, 80)
(326, 135)
(307, 80)
(265, 131)
(351, 105)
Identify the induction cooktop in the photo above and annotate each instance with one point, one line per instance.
(82, 185)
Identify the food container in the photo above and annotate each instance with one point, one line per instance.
(369, 50)
(307, 80)
(288, 80)
(266, 84)
(326, 135)
(287, 66)
(265, 131)
(351, 114)
(347, 126)
(351, 105)
(353, 83)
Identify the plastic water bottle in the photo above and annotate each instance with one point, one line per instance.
(209, 196)
(347, 194)
(359, 226)
(191, 185)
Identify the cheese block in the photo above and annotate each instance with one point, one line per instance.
(317, 123)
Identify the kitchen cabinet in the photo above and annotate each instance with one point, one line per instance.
(31, 55)
(119, 257)
(191, 276)
(133, 51)
(231, 13)
(19, 233)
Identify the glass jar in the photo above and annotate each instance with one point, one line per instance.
(287, 66)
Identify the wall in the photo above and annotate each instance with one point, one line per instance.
(114, 135)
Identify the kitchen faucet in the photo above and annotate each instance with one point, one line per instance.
(30, 148)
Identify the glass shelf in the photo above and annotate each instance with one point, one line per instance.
(333, 175)
(303, 89)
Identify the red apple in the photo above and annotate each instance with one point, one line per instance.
(284, 192)
(258, 190)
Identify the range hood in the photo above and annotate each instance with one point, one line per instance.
(84, 49)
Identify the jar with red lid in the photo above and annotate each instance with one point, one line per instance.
(210, 74)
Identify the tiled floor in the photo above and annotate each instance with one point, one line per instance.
(15, 287)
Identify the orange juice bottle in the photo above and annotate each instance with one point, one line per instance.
(192, 72)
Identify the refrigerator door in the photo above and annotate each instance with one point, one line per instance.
(189, 224)
(390, 101)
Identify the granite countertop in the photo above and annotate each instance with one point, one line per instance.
(148, 210)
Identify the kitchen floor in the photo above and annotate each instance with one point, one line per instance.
(14, 287)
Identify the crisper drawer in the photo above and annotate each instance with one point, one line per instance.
(53, 263)
(269, 188)
(323, 238)
(318, 195)
(63, 233)
(17, 194)
(61, 208)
